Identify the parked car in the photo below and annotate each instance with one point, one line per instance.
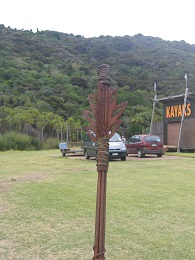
(144, 144)
(117, 148)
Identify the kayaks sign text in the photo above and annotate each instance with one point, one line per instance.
(177, 111)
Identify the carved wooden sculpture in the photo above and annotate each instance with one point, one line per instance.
(103, 122)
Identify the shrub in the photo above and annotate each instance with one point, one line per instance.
(16, 141)
(51, 144)
(36, 143)
(3, 146)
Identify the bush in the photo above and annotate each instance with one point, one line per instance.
(36, 143)
(51, 144)
(16, 141)
(3, 146)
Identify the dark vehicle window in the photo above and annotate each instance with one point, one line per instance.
(132, 140)
(152, 139)
(87, 138)
(137, 139)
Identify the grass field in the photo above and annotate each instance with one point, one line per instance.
(48, 207)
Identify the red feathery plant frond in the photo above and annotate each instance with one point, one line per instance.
(104, 115)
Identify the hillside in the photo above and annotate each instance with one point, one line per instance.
(53, 72)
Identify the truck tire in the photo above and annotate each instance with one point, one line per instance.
(140, 154)
(63, 152)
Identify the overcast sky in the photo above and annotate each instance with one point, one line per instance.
(166, 19)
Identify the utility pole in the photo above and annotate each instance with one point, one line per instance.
(183, 113)
(154, 104)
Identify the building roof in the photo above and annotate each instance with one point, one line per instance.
(177, 97)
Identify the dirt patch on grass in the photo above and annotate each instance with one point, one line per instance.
(32, 177)
(7, 184)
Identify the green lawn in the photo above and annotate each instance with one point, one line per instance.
(48, 207)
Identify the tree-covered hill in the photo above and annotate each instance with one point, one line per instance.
(53, 72)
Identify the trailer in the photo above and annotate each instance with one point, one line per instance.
(66, 150)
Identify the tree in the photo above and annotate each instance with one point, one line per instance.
(42, 122)
(134, 129)
(58, 124)
(5, 121)
(79, 81)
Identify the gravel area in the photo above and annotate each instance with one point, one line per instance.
(132, 157)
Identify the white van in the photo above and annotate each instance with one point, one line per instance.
(117, 148)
